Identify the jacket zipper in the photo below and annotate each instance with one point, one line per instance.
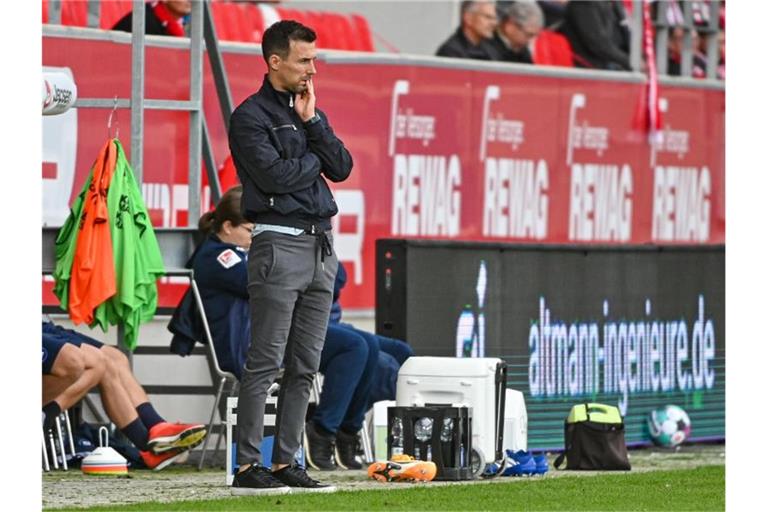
(290, 125)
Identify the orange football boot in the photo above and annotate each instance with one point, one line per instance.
(403, 468)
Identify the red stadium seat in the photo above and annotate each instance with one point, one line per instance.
(112, 11)
(335, 28)
(292, 14)
(552, 49)
(74, 13)
(315, 22)
(254, 21)
(45, 11)
(364, 35)
(225, 18)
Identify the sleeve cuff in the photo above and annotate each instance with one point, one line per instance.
(313, 120)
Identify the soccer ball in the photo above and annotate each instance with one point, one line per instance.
(669, 426)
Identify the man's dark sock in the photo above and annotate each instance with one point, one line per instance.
(137, 433)
(51, 410)
(148, 415)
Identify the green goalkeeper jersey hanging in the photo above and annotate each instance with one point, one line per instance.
(66, 243)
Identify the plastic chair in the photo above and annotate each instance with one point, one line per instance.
(364, 36)
(254, 21)
(112, 12)
(74, 13)
(338, 31)
(224, 21)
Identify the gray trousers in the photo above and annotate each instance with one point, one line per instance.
(291, 291)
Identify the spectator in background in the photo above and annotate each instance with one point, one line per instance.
(162, 18)
(553, 11)
(599, 34)
(519, 24)
(472, 39)
(721, 62)
(675, 44)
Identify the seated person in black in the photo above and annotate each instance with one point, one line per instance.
(161, 18)
(472, 39)
(519, 24)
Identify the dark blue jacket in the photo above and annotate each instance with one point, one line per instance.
(283, 162)
(221, 272)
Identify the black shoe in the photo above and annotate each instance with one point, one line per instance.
(318, 448)
(297, 479)
(346, 451)
(257, 480)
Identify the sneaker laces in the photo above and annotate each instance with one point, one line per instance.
(262, 474)
(301, 474)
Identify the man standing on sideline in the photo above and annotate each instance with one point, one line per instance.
(284, 149)
(472, 39)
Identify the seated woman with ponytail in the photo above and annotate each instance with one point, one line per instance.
(220, 267)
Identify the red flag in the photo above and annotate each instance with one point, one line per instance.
(653, 120)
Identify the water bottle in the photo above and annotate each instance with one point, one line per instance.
(446, 433)
(422, 430)
(397, 436)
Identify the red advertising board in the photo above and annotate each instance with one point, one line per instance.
(470, 152)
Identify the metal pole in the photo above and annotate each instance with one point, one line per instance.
(94, 13)
(662, 38)
(636, 36)
(210, 164)
(137, 89)
(713, 44)
(195, 116)
(686, 60)
(54, 12)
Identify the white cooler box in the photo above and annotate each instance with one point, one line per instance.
(479, 383)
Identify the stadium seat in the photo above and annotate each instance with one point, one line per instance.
(226, 25)
(364, 36)
(332, 29)
(112, 11)
(292, 14)
(254, 20)
(74, 13)
(314, 20)
(45, 11)
(552, 49)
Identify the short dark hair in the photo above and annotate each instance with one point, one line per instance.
(277, 38)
